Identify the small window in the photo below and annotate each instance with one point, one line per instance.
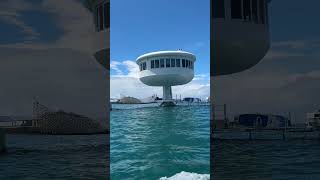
(157, 63)
(183, 63)
(144, 66)
(218, 8)
(173, 63)
(246, 10)
(106, 11)
(178, 62)
(262, 11)
(236, 9)
(187, 63)
(161, 63)
(100, 9)
(255, 11)
(167, 62)
(266, 14)
(152, 64)
(97, 19)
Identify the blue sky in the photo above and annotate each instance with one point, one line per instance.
(289, 71)
(138, 27)
(287, 78)
(46, 52)
(294, 19)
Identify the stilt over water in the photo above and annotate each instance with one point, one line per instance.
(167, 103)
(2, 141)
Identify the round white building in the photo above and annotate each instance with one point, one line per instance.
(101, 12)
(166, 69)
(240, 34)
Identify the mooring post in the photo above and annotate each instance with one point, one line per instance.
(2, 141)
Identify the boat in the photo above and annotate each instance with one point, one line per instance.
(313, 120)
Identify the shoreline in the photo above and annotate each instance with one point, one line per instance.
(35, 131)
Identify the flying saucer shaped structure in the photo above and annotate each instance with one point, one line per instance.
(101, 11)
(239, 35)
(166, 69)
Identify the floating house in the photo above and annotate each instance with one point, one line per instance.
(166, 69)
(240, 34)
(191, 99)
(313, 120)
(268, 121)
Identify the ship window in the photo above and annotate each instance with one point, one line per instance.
(144, 66)
(152, 64)
(217, 7)
(173, 63)
(236, 9)
(246, 10)
(102, 16)
(106, 8)
(266, 13)
(187, 63)
(167, 62)
(100, 10)
(157, 63)
(178, 62)
(97, 18)
(262, 11)
(161, 63)
(183, 63)
(255, 11)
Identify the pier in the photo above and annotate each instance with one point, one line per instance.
(2, 140)
(265, 134)
(258, 127)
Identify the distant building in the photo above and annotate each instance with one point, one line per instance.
(269, 121)
(191, 99)
(60, 122)
(313, 120)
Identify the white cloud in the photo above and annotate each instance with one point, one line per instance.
(281, 83)
(130, 85)
(10, 13)
(114, 65)
(62, 73)
(70, 16)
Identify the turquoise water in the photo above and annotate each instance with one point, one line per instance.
(35, 157)
(154, 142)
(266, 159)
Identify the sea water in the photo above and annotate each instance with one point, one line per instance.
(153, 142)
(55, 157)
(266, 159)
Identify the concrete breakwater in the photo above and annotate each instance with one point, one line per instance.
(2, 141)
